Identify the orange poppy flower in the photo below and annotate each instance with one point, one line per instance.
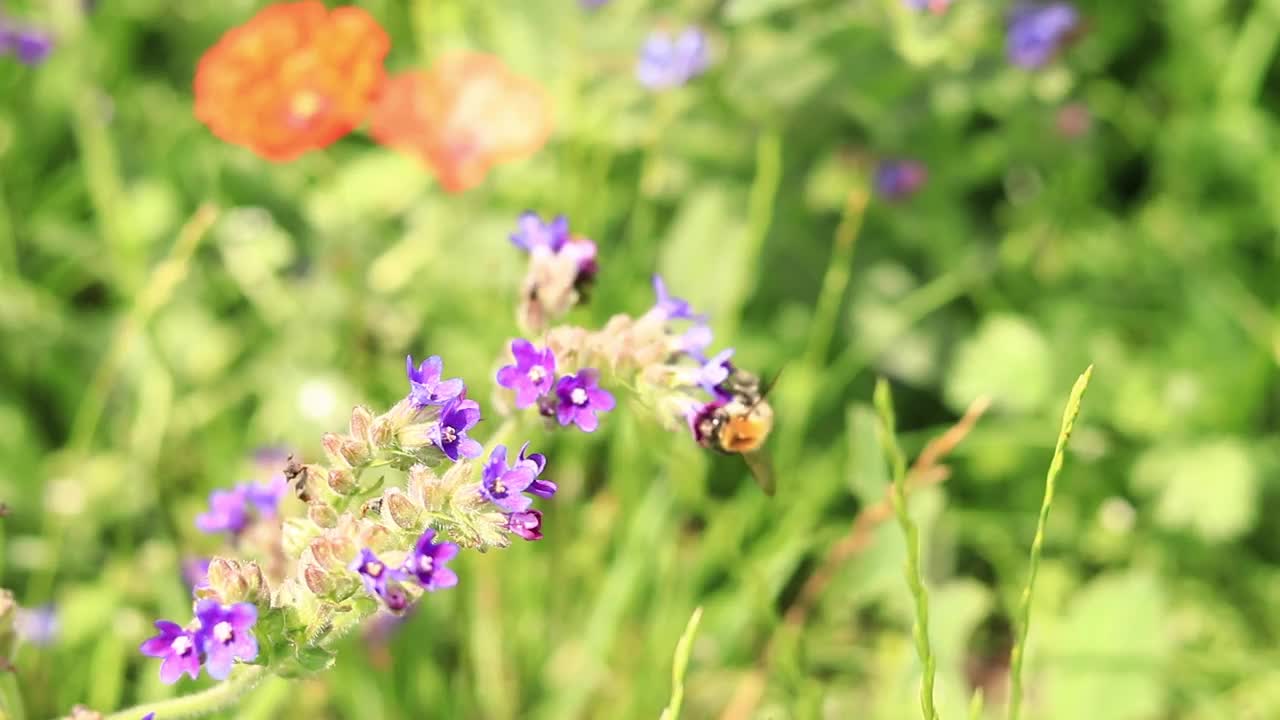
(296, 77)
(466, 114)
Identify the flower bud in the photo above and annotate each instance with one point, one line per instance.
(361, 423)
(343, 482)
(382, 432)
(322, 515)
(400, 511)
(417, 435)
(356, 452)
(424, 486)
(332, 444)
(80, 712)
(331, 552)
(234, 581)
(318, 581)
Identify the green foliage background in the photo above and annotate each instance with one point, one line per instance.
(1148, 246)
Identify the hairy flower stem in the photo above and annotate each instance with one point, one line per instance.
(1037, 544)
(219, 697)
(898, 467)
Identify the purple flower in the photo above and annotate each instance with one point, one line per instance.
(531, 233)
(31, 46)
(671, 307)
(527, 525)
(373, 573)
(533, 374)
(265, 498)
(580, 398)
(536, 462)
(226, 512)
(694, 341)
(667, 61)
(149, 716)
(196, 572)
(426, 563)
(714, 372)
(36, 625)
(1037, 32)
(899, 179)
(425, 385)
(503, 486)
(180, 649)
(226, 634)
(592, 3)
(450, 431)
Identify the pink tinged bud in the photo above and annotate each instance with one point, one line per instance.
(332, 444)
(342, 482)
(383, 431)
(401, 510)
(375, 537)
(318, 581)
(356, 452)
(322, 515)
(234, 581)
(361, 423)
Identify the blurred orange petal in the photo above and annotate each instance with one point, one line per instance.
(466, 114)
(295, 77)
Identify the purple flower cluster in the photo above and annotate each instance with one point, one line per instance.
(456, 414)
(668, 61)
(426, 565)
(1037, 32)
(30, 46)
(504, 486)
(232, 510)
(220, 635)
(535, 236)
(574, 398)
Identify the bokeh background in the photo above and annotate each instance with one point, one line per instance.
(1117, 206)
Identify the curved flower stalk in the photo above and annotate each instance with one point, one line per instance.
(400, 495)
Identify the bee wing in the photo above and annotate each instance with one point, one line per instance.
(761, 466)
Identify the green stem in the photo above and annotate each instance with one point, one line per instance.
(680, 665)
(836, 280)
(219, 697)
(898, 465)
(1037, 544)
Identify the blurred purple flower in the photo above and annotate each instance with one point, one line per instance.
(196, 572)
(180, 649)
(580, 397)
(226, 635)
(29, 45)
(532, 233)
(532, 375)
(671, 307)
(426, 387)
(36, 625)
(427, 563)
(527, 525)
(899, 179)
(503, 486)
(226, 513)
(449, 434)
(667, 61)
(714, 372)
(1037, 32)
(592, 3)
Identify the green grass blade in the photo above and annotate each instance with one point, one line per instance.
(680, 665)
(898, 466)
(1051, 479)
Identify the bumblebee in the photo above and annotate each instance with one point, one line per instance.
(738, 423)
